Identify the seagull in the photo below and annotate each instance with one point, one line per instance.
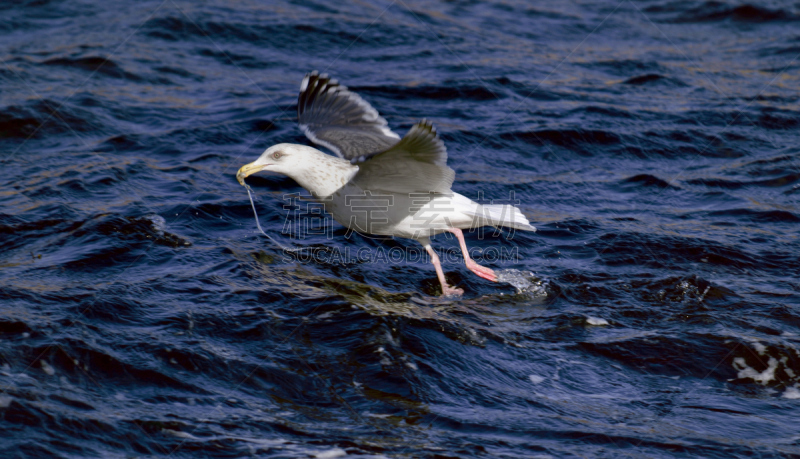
(379, 183)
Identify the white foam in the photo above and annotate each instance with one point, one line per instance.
(326, 315)
(158, 222)
(331, 454)
(524, 281)
(746, 371)
(596, 321)
(5, 401)
(792, 393)
(536, 379)
(47, 368)
(180, 434)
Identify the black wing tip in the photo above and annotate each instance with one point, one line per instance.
(323, 103)
(424, 125)
(423, 131)
(320, 82)
(314, 86)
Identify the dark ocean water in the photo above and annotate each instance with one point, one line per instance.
(655, 144)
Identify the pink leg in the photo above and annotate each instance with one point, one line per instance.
(481, 271)
(446, 289)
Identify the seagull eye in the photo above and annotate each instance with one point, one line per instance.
(277, 155)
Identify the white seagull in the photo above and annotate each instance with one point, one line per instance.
(380, 184)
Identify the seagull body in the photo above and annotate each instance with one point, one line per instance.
(380, 184)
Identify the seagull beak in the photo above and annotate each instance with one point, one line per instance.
(249, 169)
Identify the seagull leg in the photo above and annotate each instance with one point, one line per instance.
(446, 289)
(481, 271)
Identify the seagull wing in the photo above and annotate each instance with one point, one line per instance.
(416, 164)
(332, 116)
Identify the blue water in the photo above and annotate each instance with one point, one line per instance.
(656, 313)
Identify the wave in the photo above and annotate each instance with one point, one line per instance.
(647, 180)
(280, 36)
(43, 118)
(758, 216)
(654, 79)
(785, 180)
(569, 138)
(95, 64)
(715, 11)
(671, 252)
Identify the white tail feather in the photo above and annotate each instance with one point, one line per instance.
(504, 215)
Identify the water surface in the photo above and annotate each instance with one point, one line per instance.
(654, 144)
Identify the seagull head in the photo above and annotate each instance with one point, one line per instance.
(283, 158)
(312, 169)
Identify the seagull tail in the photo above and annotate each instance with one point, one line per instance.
(505, 215)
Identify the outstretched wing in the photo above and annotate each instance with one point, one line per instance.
(332, 116)
(416, 164)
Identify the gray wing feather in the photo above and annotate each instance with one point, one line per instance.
(416, 164)
(332, 116)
